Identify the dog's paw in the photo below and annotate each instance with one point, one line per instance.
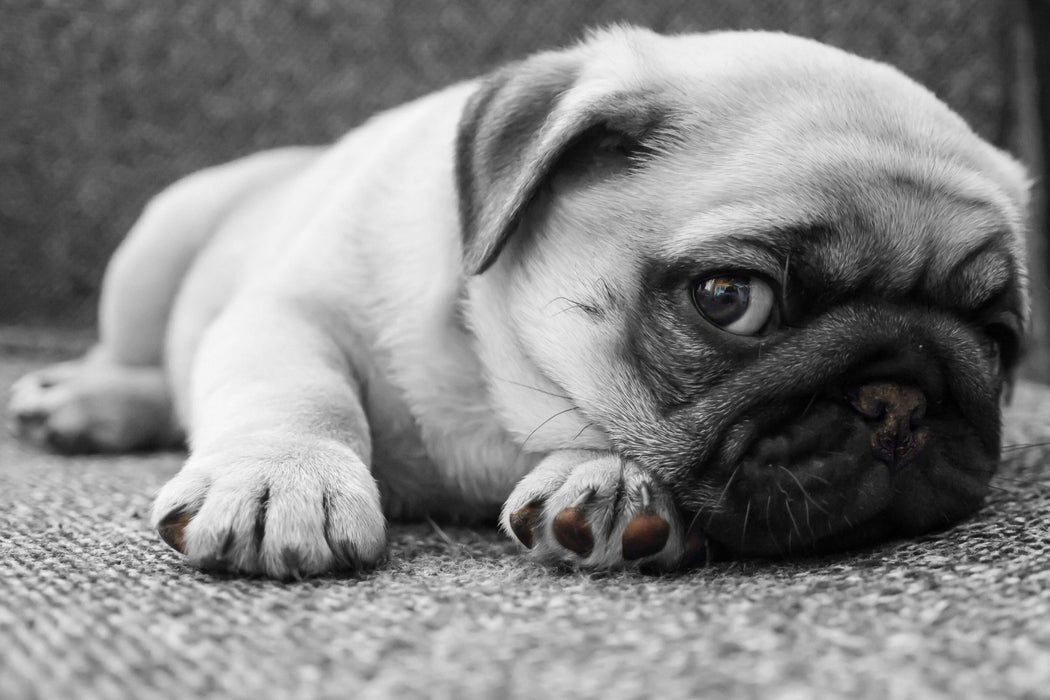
(45, 410)
(597, 511)
(277, 506)
(88, 406)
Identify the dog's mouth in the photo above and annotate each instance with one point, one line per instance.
(870, 423)
(842, 469)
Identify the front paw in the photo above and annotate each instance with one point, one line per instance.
(278, 506)
(597, 511)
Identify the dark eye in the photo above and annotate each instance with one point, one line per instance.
(1001, 346)
(740, 304)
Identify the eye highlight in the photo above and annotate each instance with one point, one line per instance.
(738, 303)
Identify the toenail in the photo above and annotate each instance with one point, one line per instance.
(644, 536)
(172, 527)
(572, 531)
(70, 443)
(345, 556)
(293, 562)
(522, 522)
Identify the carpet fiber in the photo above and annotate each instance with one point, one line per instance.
(94, 605)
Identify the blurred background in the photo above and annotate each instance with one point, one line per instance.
(103, 103)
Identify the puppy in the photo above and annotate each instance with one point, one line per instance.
(649, 294)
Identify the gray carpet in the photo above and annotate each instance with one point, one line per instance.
(94, 605)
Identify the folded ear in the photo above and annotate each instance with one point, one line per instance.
(526, 119)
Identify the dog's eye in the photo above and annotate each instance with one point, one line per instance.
(1001, 345)
(739, 304)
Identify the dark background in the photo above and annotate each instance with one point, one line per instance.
(104, 103)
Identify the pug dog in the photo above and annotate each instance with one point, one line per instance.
(646, 297)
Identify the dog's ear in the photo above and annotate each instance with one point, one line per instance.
(527, 120)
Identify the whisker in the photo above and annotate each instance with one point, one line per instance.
(532, 388)
(721, 497)
(1034, 480)
(1003, 489)
(809, 519)
(572, 304)
(537, 428)
(1016, 479)
(791, 515)
(747, 515)
(442, 534)
(696, 517)
(1024, 446)
(820, 479)
(805, 494)
(806, 498)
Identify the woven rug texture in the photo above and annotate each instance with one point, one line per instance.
(94, 605)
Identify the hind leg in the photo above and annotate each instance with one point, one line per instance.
(94, 405)
(118, 397)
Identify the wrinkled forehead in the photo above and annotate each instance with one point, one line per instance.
(841, 141)
(863, 213)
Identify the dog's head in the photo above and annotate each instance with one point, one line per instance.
(785, 279)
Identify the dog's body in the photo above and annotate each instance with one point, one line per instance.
(507, 282)
(392, 283)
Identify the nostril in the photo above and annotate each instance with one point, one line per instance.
(913, 404)
(916, 419)
(895, 413)
(866, 402)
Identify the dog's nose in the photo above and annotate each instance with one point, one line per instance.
(895, 414)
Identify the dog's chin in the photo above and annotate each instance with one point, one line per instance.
(801, 478)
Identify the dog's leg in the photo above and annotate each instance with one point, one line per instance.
(277, 482)
(598, 511)
(94, 405)
(116, 398)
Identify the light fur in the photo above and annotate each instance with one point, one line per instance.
(424, 314)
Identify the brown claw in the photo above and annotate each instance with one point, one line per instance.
(645, 535)
(523, 521)
(171, 529)
(572, 531)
